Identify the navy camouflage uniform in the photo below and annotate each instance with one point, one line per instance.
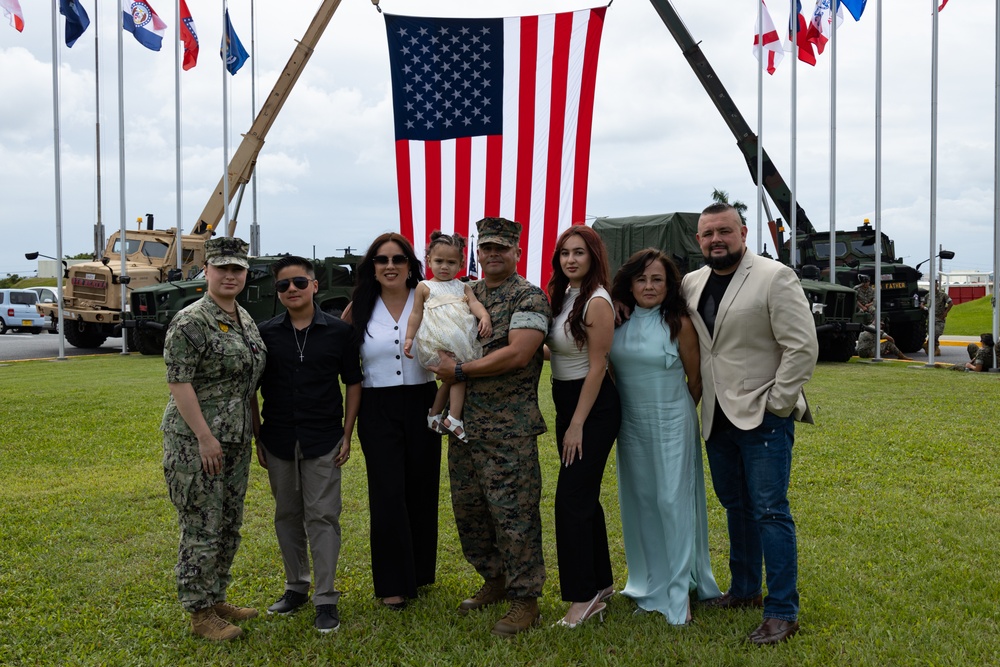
(496, 480)
(223, 359)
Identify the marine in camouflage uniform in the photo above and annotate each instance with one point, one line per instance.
(496, 480)
(222, 358)
(942, 304)
(866, 347)
(866, 298)
(981, 357)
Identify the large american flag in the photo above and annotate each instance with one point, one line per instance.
(493, 118)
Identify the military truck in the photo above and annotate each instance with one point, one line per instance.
(92, 301)
(153, 307)
(93, 308)
(834, 307)
(854, 254)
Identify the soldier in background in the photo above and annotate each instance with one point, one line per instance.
(981, 357)
(866, 297)
(496, 481)
(866, 345)
(214, 357)
(942, 306)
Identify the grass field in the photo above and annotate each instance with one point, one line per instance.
(970, 318)
(895, 492)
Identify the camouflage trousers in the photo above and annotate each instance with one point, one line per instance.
(938, 332)
(496, 488)
(209, 513)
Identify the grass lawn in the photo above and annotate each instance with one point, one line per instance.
(970, 318)
(895, 492)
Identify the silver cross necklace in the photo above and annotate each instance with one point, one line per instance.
(305, 339)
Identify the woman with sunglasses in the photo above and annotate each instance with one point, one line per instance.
(402, 457)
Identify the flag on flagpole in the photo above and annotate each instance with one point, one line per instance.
(232, 50)
(77, 20)
(12, 10)
(145, 24)
(806, 53)
(768, 36)
(856, 7)
(943, 3)
(189, 36)
(821, 24)
(493, 118)
(473, 269)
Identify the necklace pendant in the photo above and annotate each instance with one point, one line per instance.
(301, 357)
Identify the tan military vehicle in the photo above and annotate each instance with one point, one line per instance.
(92, 293)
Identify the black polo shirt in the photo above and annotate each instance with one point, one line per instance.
(302, 399)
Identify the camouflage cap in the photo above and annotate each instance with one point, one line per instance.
(227, 250)
(500, 231)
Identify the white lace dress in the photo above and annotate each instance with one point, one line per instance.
(448, 324)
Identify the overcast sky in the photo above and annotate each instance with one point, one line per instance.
(326, 175)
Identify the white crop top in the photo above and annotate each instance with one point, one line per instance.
(568, 361)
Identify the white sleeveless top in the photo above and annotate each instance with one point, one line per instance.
(568, 361)
(382, 357)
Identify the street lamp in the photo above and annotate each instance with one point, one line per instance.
(944, 254)
(60, 324)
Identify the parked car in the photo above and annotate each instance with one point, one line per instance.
(18, 312)
(48, 294)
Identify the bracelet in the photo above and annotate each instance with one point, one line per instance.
(459, 375)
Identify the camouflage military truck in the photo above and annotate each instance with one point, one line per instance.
(92, 292)
(833, 306)
(854, 255)
(153, 307)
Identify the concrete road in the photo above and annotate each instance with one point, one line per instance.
(20, 346)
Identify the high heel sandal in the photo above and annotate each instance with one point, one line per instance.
(606, 594)
(595, 607)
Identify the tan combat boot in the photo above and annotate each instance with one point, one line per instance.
(206, 623)
(492, 591)
(231, 612)
(523, 615)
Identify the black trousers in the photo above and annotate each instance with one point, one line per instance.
(403, 460)
(581, 532)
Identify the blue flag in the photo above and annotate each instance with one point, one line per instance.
(77, 20)
(232, 50)
(855, 7)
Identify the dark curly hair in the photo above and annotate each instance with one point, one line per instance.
(452, 240)
(673, 307)
(598, 276)
(367, 290)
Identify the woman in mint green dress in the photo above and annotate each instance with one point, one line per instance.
(661, 483)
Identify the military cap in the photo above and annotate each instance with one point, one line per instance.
(500, 231)
(227, 250)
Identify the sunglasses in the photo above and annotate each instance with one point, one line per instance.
(300, 282)
(382, 260)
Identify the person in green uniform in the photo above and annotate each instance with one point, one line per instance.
(214, 357)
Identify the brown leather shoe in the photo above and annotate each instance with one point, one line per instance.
(523, 614)
(492, 591)
(773, 631)
(728, 601)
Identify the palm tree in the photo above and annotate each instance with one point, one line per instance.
(722, 197)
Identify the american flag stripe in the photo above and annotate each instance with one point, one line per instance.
(532, 165)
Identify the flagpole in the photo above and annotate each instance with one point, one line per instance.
(58, 173)
(932, 302)
(178, 55)
(225, 121)
(99, 240)
(760, 123)
(996, 190)
(878, 181)
(794, 14)
(833, 143)
(254, 227)
(122, 245)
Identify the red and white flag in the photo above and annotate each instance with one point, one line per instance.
(12, 10)
(943, 3)
(801, 35)
(493, 118)
(189, 35)
(768, 36)
(821, 24)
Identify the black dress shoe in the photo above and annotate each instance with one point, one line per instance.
(727, 601)
(288, 603)
(773, 631)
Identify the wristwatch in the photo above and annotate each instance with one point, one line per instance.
(459, 375)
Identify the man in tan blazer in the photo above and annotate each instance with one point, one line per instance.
(758, 349)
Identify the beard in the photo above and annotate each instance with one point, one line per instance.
(728, 260)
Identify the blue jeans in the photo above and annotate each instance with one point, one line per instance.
(750, 473)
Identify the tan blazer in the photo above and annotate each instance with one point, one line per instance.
(764, 348)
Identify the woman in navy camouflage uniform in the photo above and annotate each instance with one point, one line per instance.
(214, 357)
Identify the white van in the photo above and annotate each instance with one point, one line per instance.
(18, 312)
(48, 294)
